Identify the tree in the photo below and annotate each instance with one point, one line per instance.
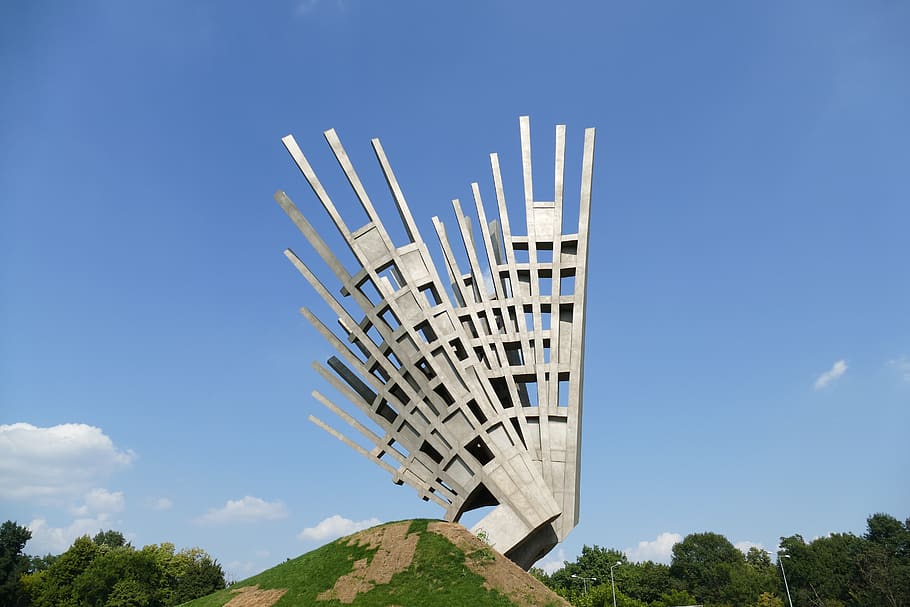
(674, 598)
(542, 576)
(41, 563)
(187, 574)
(710, 567)
(836, 557)
(54, 586)
(884, 562)
(13, 562)
(766, 599)
(198, 575)
(163, 556)
(129, 593)
(137, 574)
(759, 559)
(106, 571)
(602, 596)
(838, 570)
(645, 581)
(824, 571)
(885, 530)
(761, 574)
(109, 538)
(593, 562)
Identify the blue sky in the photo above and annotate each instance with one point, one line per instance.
(748, 365)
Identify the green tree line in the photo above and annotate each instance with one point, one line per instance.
(103, 571)
(839, 570)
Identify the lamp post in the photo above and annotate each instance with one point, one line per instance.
(780, 561)
(584, 580)
(613, 586)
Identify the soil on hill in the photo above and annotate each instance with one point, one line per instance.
(416, 563)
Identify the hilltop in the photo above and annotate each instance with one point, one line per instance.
(418, 563)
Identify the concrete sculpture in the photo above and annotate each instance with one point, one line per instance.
(479, 395)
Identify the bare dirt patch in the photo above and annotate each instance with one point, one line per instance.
(394, 553)
(499, 572)
(251, 596)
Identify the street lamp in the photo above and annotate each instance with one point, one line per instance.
(585, 580)
(613, 586)
(780, 562)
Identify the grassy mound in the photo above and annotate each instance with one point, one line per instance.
(417, 563)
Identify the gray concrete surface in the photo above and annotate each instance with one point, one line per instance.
(479, 396)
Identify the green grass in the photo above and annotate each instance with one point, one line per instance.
(437, 577)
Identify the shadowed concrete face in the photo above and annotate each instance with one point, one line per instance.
(478, 399)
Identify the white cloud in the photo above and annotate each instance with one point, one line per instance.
(95, 514)
(99, 501)
(836, 370)
(46, 539)
(245, 510)
(239, 570)
(306, 6)
(902, 365)
(554, 562)
(62, 460)
(334, 527)
(54, 540)
(161, 503)
(487, 279)
(658, 550)
(744, 546)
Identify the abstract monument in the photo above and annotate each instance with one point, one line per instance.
(478, 395)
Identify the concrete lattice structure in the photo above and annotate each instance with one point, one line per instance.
(479, 399)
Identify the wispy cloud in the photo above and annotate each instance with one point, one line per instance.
(487, 280)
(54, 540)
(553, 562)
(162, 503)
(97, 512)
(836, 370)
(99, 501)
(333, 527)
(247, 509)
(57, 461)
(238, 570)
(745, 545)
(658, 550)
(902, 366)
(305, 7)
